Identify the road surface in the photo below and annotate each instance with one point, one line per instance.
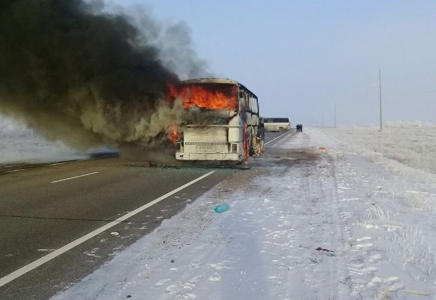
(59, 222)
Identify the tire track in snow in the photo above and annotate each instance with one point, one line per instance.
(321, 189)
(341, 231)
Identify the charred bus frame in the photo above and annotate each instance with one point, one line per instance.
(239, 138)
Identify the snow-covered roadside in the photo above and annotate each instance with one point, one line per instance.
(19, 144)
(311, 224)
(402, 148)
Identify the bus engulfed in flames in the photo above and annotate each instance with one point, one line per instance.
(208, 96)
(213, 99)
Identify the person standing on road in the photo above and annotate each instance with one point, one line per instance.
(301, 127)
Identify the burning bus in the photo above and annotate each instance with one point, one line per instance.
(224, 122)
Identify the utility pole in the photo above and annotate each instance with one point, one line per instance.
(380, 96)
(334, 108)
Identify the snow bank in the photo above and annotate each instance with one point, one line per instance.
(20, 144)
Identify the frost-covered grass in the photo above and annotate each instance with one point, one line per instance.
(409, 124)
(417, 200)
(400, 147)
(19, 144)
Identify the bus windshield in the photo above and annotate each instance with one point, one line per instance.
(209, 95)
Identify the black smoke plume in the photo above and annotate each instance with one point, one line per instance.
(74, 71)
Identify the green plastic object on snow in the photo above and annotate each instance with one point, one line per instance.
(220, 208)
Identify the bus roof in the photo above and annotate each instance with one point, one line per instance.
(210, 80)
(218, 80)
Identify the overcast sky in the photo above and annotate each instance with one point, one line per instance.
(302, 56)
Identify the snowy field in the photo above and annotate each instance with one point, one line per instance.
(21, 145)
(402, 148)
(304, 223)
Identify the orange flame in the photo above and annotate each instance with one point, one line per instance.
(173, 134)
(174, 137)
(172, 92)
(197, 95)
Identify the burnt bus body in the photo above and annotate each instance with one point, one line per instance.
(231, 132)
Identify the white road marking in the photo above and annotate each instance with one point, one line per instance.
(20, 272)
(56, 164)
(277, 138)
(60, 180)
(13, 171)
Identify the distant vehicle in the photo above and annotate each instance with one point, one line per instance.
(233, 135)
(277, 124)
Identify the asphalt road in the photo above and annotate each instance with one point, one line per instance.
(44, 209)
